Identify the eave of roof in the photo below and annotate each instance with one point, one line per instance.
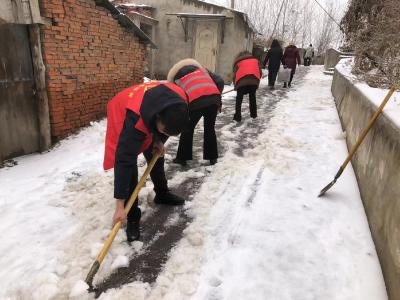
(126, 22)
(243, 14)
(190, 15)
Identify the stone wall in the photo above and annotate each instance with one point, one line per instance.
(377, 167)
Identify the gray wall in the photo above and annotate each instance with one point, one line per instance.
(19, 123)
(377, 167)
(319, 59)
(332, 57)
(170, 35)
(20, 12)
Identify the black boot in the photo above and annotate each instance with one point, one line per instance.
(133, 226)
(237, 117)
(284, 84)
(180, 162)
(213, 161)
(168, 198)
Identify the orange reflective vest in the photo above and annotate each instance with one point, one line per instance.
(246, 67)
(196, 84)
(130, 98)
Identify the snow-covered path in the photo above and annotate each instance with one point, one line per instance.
(258, 229)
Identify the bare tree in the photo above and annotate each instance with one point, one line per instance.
(299, 21)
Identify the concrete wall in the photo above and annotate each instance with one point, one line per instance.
(332, 57)
(20, 12)
(319, 60)
(377, 167)
(170, 35)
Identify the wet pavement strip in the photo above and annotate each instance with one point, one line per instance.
(159, 235)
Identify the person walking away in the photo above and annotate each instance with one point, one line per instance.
(203, 89)
(273, 59)
(291, 58)
(308, 55)
(139, 120)
(247, 75)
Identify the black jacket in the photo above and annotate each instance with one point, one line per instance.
(274, 58)
(207, 100)
(131, 139)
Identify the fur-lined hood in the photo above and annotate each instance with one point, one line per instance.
(179, 65)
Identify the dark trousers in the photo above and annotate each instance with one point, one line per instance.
(159, 179)
(307, 61)
(210, 148)
(291, 75)
(251, 90)
(272, 77)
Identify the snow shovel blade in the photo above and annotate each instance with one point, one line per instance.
(89, 278)
(325, 189)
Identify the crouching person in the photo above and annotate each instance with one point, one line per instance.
(139, 120)
(247, 75)
(203, 89)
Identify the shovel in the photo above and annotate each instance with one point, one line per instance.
(360, 140)
(107, 244)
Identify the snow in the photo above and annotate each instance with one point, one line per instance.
(375, 95)
(79, 289)
(119, 262)
(258, 229)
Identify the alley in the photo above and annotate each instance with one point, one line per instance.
(253, 226)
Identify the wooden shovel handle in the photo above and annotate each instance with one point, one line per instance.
(128, 206)
(370, 124)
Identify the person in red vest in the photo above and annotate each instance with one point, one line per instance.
(247, 75)
(139, 120)
(203, 89)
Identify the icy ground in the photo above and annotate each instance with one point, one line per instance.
(258, 229)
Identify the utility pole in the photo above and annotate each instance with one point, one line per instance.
(277, 19)
(283, 21)
(233, 4)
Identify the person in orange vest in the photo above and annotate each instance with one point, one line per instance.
(203, 89)
(139, 120)
(247, 75)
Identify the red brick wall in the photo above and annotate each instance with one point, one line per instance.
(89, 57)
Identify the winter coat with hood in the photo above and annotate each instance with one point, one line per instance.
(291, 57)
(309, 52)
(189, 65)
(131, 139)
(248, 80)
(274, 56)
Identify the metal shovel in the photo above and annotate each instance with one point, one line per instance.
(360, 140)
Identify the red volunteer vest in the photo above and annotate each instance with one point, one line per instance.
(197, 84)
(130, 98)
(247, 67)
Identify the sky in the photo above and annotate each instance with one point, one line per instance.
(228, 2)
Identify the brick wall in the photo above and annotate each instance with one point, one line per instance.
(89, 57)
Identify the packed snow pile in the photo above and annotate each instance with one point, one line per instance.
(258, 231)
